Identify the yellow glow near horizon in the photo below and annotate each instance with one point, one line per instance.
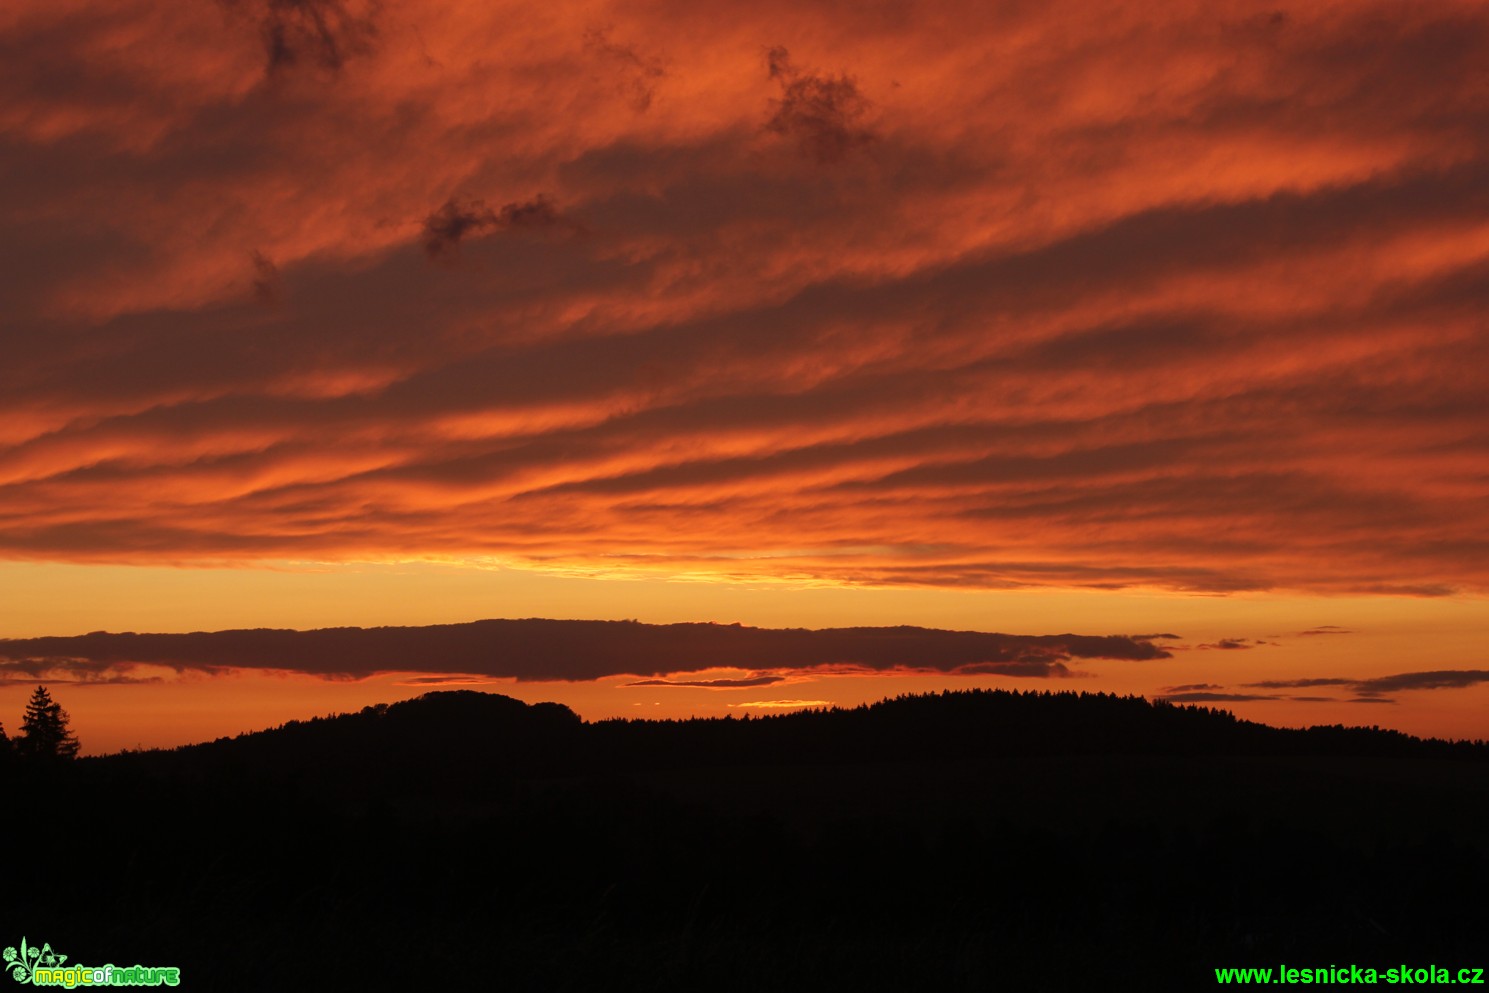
(48, 598)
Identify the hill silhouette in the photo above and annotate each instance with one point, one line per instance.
(954, 841)
(490, 728)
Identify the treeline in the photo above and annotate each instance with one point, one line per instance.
(966, 723)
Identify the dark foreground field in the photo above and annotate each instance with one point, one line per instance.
(957, 842)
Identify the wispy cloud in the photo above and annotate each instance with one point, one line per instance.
(1374, 689)
(713, 684)
(1280, 684)
(1212, 696)
(639, 73)
(55, 678)
(781, 704)
(452, 680)
(1439, 679)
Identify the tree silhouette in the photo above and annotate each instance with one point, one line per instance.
(44, 729)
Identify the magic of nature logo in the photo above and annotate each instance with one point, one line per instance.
(42, 966)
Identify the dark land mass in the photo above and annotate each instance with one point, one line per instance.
(963, 841)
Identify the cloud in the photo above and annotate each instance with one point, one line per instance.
(1278, 684)
(713, 684)
(1230, 644)
(536, 649)
(7, 679)
(74, 672)
(444, 681)
(1374, 689)
(1325, 629)
(1433, 680)
(265, 279)
(1214, 697)
(325, 32)
(781, 704)
(1178, 299)
(445, 228)
(1192, 687)
(639, 73)
(1031, 666)
(823, 113)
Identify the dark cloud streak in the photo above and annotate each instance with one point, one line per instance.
(713, 684)
(454, 221)
(1434, 680)
(325, 32)
(537, 649)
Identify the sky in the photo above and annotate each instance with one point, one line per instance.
(1158, 323)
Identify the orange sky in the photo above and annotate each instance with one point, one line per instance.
(1015, 317)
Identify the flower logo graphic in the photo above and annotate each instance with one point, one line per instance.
(22, 962)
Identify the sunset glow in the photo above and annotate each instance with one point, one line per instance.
(1164, 325)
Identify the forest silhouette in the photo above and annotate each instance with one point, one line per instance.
(963, 840)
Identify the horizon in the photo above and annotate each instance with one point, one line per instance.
(342, 669)
(1157, 326)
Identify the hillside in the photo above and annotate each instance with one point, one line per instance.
(951, 841)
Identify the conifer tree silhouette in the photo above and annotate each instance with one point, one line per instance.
(44, 730)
